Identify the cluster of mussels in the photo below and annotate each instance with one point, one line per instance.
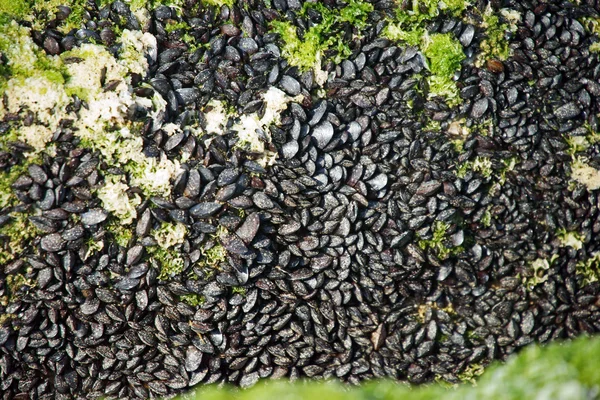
(391, 233)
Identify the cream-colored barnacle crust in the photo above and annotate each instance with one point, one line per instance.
(135, 45)
(169, 235)
(586, 175)
(36, 86)
(513, 17)
(154, 175)
(320, 75)
(88, 65)
(571, 239)
(115, 199)
(216, 117)
(253, 132)
(171, 128)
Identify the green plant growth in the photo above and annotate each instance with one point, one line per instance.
(494, 46)
(445, 54)
(483, 165)
(305, 51)
(212, 256)
(192, 299)
(486, 219)
(440, 242)
(471, 373)
(411, 17)
(589, 269)
(443, 51)
(15, 235)
(558, 371)
(168, 260)
(593, 26)
(121, 234)
(184, 30)
(16, 282)
(239, 290)
(570, 239)
(538, 272)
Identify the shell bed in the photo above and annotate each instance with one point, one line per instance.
(227, 191)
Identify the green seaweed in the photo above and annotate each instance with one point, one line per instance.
(168, 260)
(443, 51)
(439, 242)
(15, 236)
(557, 371)
(445, 55)
(494, 46)
(192, 299)
(305, 51)
(589, 269)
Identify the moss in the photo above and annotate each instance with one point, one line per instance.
(220, 3)
(439, 242)
(570, 239)
(537, 272)
(213, 256)
(183, 28)
(589, 269)
(482, 165)
(18, 9)
(120, 234)
(15, 283)
(508, 165)
(93, 246)
(495, 45)
(471, 373)
(239, 290)
(24, 59)
(170, 235)
(169, 262)
(305, 52)
(15, 236)
(7, 178)
(443, 51)
(486, 219)
(445, 54)
(192, 299)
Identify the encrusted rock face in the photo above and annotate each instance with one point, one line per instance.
(207, 192)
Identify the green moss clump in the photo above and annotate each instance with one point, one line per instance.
(471, 373)
(443, 51)
(558, 371)
(120, 233)
(15, 236)
(213, 256)
(239, 290)
(439, 242)
(589, 269)
(220, 3)
(495, 45)
(305, 52)
(18, 9)
(7, 178)
(16, 282)
(445, 56)
(486, 220)
(169, 262)
(192, 299)
(483, 165)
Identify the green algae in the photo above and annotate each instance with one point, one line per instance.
(443, 51)
(439, 242)
(305, 51)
